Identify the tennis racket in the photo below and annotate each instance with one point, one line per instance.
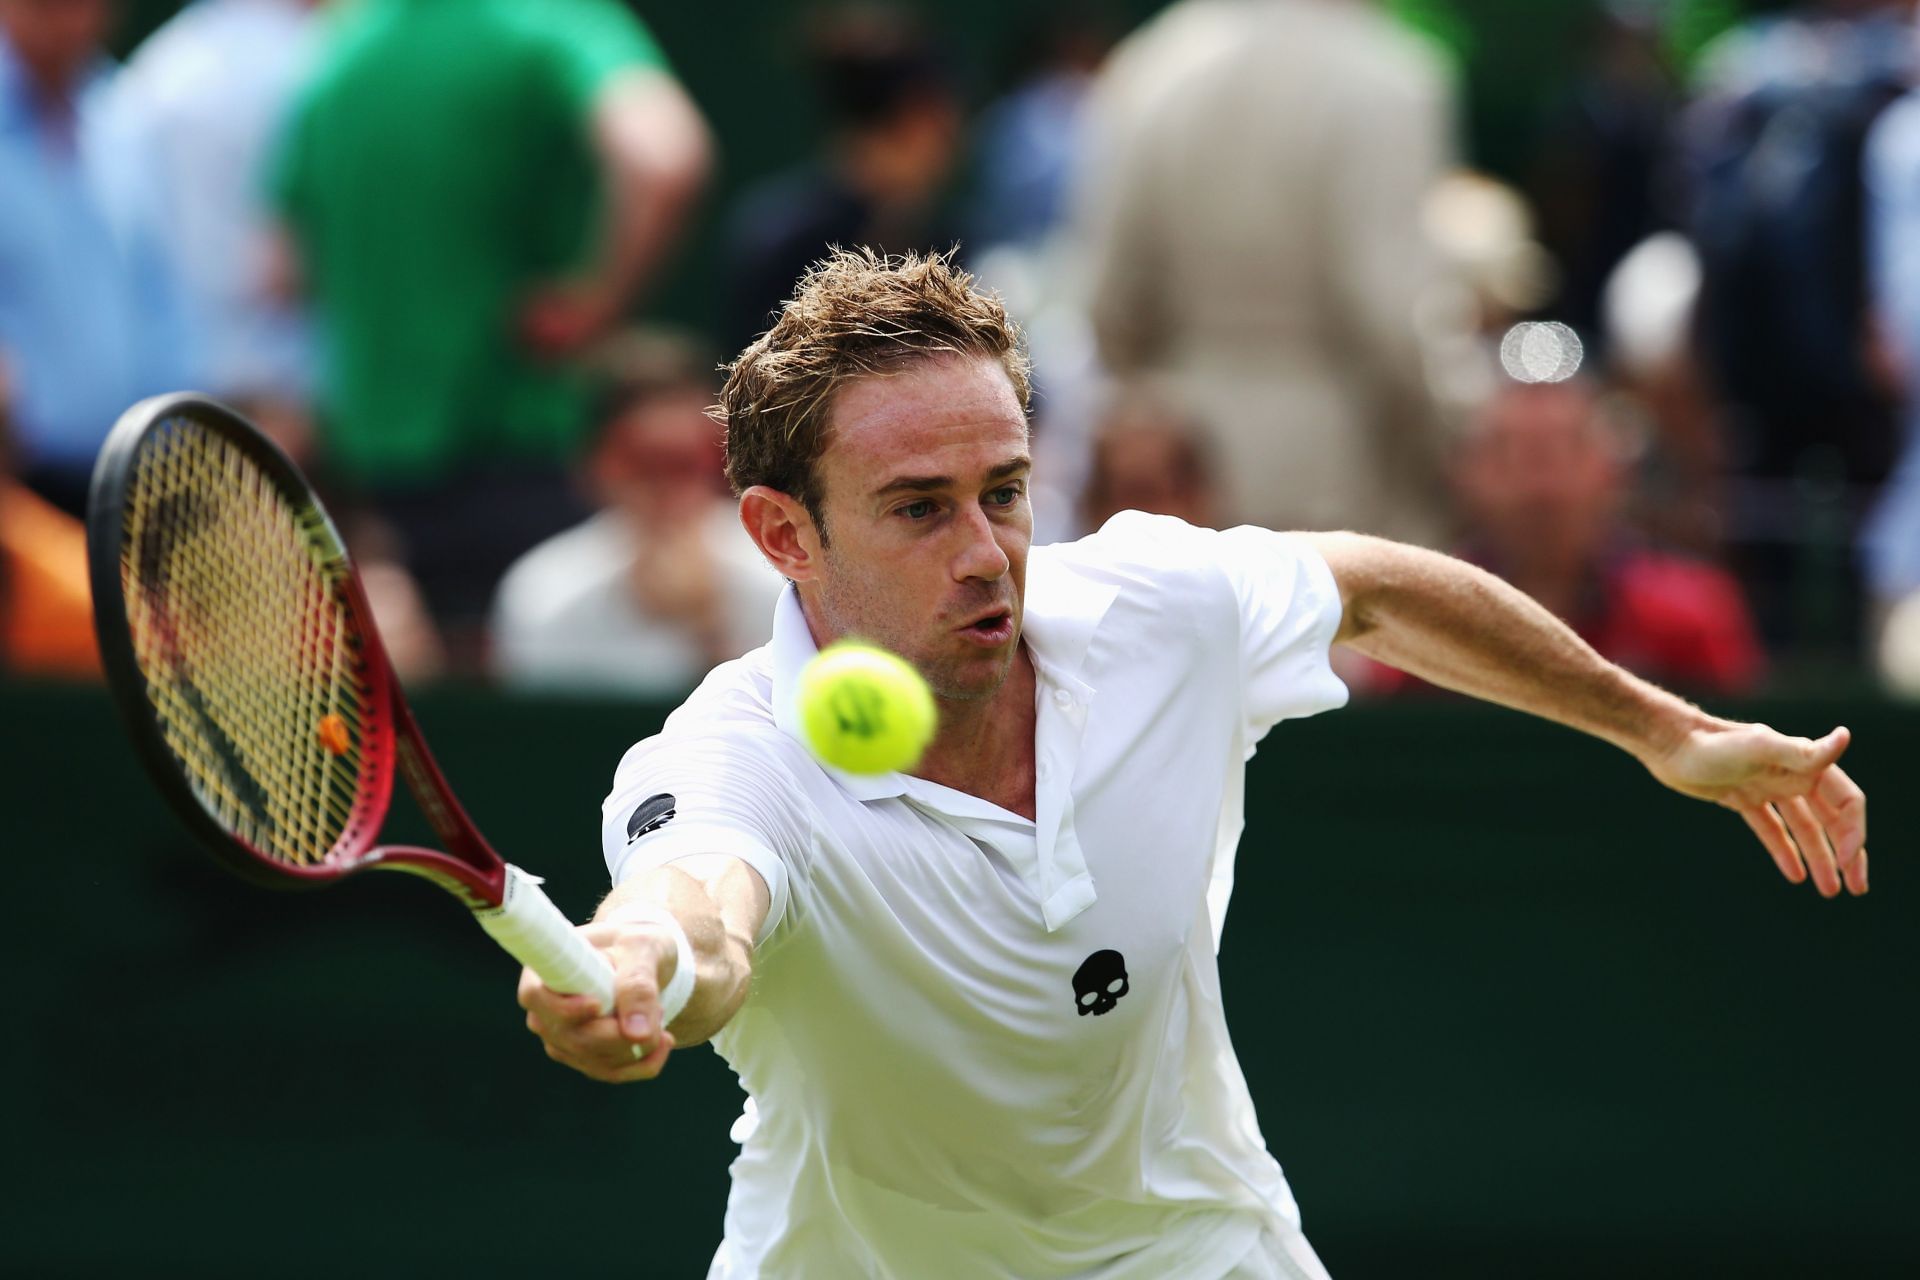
(239, 646)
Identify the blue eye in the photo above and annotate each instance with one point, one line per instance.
(1006, 495)
(918, 510)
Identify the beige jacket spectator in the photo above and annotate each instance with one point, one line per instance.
(1252, 211)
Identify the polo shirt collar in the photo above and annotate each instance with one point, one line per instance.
(1058, 634)
(793, 648)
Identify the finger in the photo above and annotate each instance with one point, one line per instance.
(565, 1013)
(1773, 835)
(600, 933)
(553, 1028)
(613, 1067)
(636, 995)
(1814, 849)
(637, 1009)
(1842, 806)
(1785, 766)
(1810, 755)
(605, 1041)
(576, 1024)
(646, 1068)
(556, 1007)
(592, 1068)
(1855, 874)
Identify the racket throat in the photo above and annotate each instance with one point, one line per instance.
(478, 888)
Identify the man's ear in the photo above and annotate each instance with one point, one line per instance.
(783, 530)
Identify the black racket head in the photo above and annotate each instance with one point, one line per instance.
(236, 643)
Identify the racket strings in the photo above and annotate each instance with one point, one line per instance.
(243, 634)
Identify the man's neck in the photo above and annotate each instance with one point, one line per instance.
(985, 747)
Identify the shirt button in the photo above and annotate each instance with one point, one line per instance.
(1062, 697)
(1045, 771)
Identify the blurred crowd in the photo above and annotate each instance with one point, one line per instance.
(1664, 375)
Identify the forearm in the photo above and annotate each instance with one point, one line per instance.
(721, 938)
(654, 154)
(1462, 628)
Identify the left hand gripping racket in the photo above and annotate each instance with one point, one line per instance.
(239, 646)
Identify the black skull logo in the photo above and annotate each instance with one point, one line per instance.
(1100, 982)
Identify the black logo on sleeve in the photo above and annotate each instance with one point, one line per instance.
(1100, 982)
(654, 813)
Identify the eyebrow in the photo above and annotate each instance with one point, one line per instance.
(932, 484)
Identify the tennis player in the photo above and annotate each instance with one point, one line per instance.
(976, 1009)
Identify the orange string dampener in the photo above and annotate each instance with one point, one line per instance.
(332, 731)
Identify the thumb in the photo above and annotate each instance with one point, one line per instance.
(1821, 752)
(636, 996)
(1803, 755)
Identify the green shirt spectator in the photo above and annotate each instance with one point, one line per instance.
(475, 188)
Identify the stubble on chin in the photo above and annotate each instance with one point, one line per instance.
(950, 685)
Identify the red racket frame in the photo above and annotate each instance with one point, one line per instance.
(390, 736)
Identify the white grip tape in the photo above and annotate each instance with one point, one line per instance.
(679, 988)
(533, 931)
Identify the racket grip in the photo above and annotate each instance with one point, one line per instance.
(533, 931)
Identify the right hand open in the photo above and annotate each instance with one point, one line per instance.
(627, 1044)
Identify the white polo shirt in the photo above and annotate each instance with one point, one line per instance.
(978, 1045)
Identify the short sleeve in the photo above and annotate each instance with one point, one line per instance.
(1289, 614)
(1285, 596)
(683, 795)
(589, 41)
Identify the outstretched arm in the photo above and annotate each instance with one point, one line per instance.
(1464, 629)
(654, 153)
(719, 902)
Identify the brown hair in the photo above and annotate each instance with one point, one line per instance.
(854, 314)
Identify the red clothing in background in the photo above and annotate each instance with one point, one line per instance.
(1672, 619)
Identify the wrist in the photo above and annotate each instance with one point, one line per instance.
(655, 919)
(1666, 723)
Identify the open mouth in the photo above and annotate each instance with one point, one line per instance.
(995, 628)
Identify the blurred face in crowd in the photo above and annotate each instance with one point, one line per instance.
(928, 133)
(903, 158)
(1540, 478)
(926, 520)
(1146, 462)
(659, 460)
(55, 39)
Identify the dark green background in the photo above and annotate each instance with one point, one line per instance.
(1507, 1009)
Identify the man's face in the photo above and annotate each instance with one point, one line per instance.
(924, 500)
(55, 38)
(660, 461)
(1147, 467)
(1539, 480)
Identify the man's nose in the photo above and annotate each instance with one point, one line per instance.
(980, 554)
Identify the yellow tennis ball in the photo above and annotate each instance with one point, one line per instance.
(865, 710)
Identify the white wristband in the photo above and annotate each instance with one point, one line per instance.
(679, 988)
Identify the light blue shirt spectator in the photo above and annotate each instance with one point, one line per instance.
(90, 318)
(1890, 540)
(210, 90)
(1029, 145)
